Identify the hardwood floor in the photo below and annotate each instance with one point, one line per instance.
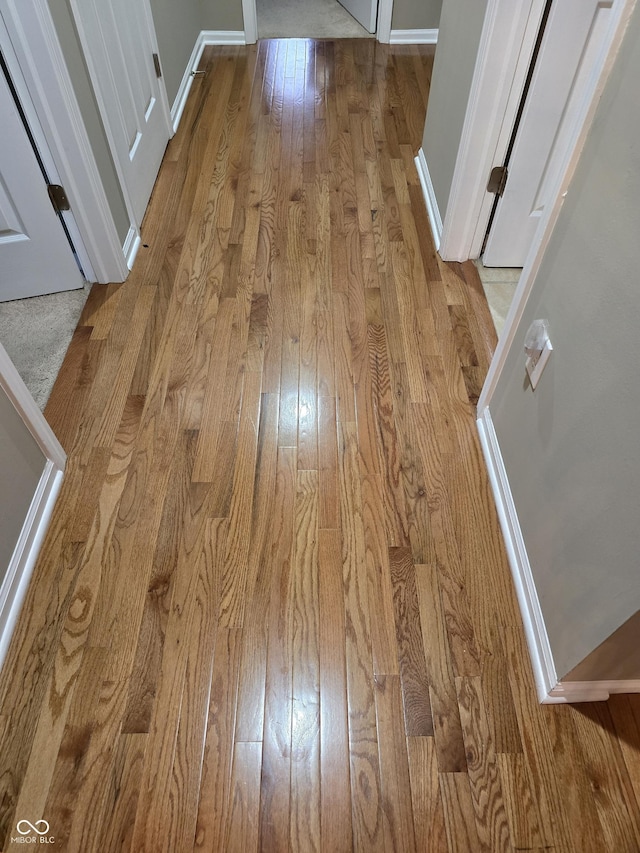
(273, 611)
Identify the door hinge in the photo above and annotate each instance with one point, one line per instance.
(156, 64)
(58, 198)
(498, 180)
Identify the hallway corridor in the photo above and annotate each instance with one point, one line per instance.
(273, 610)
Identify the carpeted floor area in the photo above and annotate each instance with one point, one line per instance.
(306, 19)
(36, 334)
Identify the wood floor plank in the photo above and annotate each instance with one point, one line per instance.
(335, 816)
(459, 816)
(484, 778)
(448, 736)
(366, 796)
(305, 712)
(251, 686)
(413, 668)
(215, 787)
(242, 833)
(276, 755)
(428, 812)
(394, 766)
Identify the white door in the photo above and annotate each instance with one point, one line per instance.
(569, 49)
(364, 11)
(119, 43)
(35, 255)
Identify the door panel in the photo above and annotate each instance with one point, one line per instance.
(119, 43)
(364, 11)
(569, 49)
(35, 255)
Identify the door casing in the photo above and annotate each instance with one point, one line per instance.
(34, 40)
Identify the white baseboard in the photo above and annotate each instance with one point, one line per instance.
(205, 38)
(591, 691)
(223, 36)
(414, 37)
(539, 648)
(16, 581)
(131, 246)
(550, 690)
(435, 220)
(185, 84)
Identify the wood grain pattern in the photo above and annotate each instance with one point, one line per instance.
(273, 610)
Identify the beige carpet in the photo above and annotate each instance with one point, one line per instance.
(320, 19)
(36, 333)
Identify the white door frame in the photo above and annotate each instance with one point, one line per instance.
(14, 586)
(506, 44)
(383, 32)
(93, 49)
(36, 46)
(620, 14)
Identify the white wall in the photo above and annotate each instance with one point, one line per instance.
(572, 448)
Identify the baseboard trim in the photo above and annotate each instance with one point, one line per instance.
(14, 586)
(206, 37)
(185, 84)
(131, 246)
(435, 220)
(591, 691)
(413, 37)
(223, 37)
(537, 639)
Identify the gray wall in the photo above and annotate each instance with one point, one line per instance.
(222, 15)
(21, 466)
(458, 40)
(416, 14)
(83, 89)
(177, 27)
(572, 448)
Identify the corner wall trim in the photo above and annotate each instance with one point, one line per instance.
(20, 569)
(185, 84)
(206, 37)
(131, 245)
(223, 37)
(414, 37)
(14, 586)
(537, 639)
(435, 220)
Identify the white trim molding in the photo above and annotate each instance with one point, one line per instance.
(185, 84)
(435, 220)
(385, 13)
(413, 37)
(223, 37)
(14, 586)
(620, 18)
(16, 582)
(131, 245)
(206, 37)
(43, 67)
(250, 20)
(506, 44)
(550, 691)
(536, 633)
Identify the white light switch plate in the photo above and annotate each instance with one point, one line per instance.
(535, 367)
